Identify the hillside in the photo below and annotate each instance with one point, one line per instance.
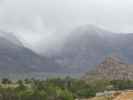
(88, 45)
(112, 68)
(14, 57)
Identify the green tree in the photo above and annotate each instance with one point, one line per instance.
(6, 81)
(21, 86)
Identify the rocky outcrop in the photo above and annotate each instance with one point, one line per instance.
(112, 68)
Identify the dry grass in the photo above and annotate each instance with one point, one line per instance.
(125, 96)
(101, 98)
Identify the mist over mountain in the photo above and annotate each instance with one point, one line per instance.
(15, 58)
(10, 37)
(88, 45)
(50, 28)
(80, 50)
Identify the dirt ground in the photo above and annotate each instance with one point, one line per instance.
(124, 95)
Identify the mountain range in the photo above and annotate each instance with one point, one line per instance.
(88, 45)
(83, 49)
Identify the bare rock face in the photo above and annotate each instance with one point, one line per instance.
(112, 68)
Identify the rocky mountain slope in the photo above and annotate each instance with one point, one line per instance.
(14, 57)
(111, 68)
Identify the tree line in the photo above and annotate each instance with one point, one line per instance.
(57, 88)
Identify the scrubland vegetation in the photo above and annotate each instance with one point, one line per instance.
(57, 88)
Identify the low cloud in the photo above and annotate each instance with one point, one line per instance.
(39, 18)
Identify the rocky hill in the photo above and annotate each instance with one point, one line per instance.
(112, 68)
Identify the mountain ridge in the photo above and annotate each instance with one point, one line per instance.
(84, 48)
(14, 57)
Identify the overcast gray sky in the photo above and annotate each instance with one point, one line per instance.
(43, 17)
